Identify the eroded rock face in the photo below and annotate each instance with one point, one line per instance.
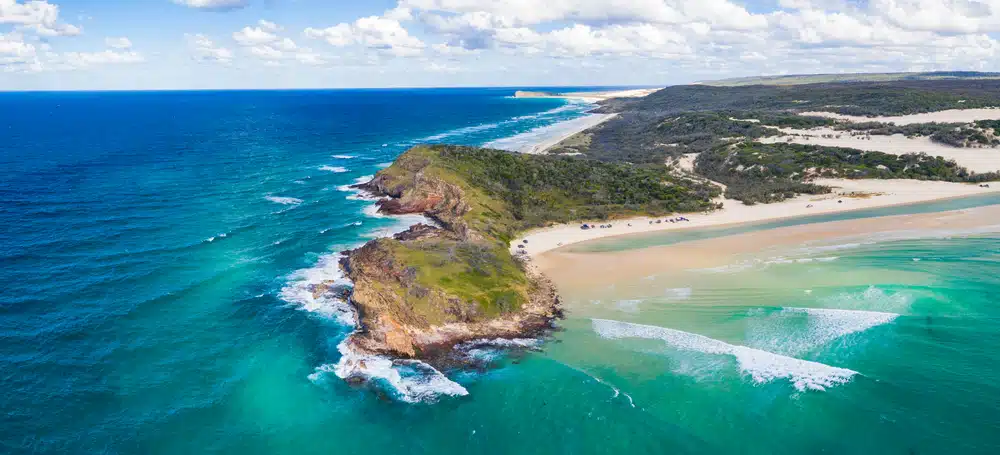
(383, 288)
(386, 293)
(415, 192)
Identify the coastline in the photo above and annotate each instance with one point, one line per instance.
(867, 194)
(584, 275)
(591, 97)
(573, 127)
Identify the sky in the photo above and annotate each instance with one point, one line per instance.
(236, 44)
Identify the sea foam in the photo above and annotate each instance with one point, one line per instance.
(334, 169)
(761, 366)
(409, 380)
(284, 200)
(796, 331)
(304, 289)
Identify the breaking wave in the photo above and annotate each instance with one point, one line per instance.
(796, 331)
(411, 381)
(284, 200)
(344, 157)
(761, 366)
(334, 169)
(321, 290)
(318, 290)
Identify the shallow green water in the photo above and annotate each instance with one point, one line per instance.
(883, 345)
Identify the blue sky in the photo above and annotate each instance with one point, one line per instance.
(195, 44)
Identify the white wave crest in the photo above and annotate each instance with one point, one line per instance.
(409, 380)
(761, 366)
(313, 290)
(871, 299)
(344, 157)
(284, 200)
(216, 237)
(334, 169)
(828, 324)
(461, 132)
(501, 343)
(795, 331)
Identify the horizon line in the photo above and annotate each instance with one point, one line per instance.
(278, 89)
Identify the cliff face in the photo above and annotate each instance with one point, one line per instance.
(432, 287)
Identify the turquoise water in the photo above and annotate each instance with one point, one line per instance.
(159, 249)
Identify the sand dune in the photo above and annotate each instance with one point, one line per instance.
(974, 159)
(948, 116)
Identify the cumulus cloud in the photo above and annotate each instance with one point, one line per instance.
(376, 33)
(118, 43)
(217, 5)
(251, 36)
(264, 43)
(37, 16)
(85, 59)
(203, 49)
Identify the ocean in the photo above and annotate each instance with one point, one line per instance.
(159, 251)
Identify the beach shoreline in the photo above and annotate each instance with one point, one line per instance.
(591, 97)
(848, 195)
(577, 126)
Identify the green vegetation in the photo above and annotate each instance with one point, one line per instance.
(484, 198)
(990, 125)
(537, 190)
(860, 77)
(644, 143)
(763, 173)
(482, 274)
(888, 129)
(981, 133)
(638, 134)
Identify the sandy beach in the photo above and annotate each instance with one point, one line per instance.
(567, 130)
(986, 159)
(848, 195)
(591, 273)
(947, 116)
(592, 97)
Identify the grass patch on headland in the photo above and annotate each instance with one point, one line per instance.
(484, 198)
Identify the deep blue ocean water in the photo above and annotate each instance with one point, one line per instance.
(158, 249)
(147, 238)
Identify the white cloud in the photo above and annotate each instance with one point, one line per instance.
(377, 33)
(268, 25)
(251, 36)
(118, 43)
(38, 16)
(213, 4)
(720, 13)
(442, 68)
(84, 59)
(266, 52)
(265, 44)
(204, 49)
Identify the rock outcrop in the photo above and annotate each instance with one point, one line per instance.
(404, 314)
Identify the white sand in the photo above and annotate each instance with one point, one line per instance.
(567, 130)
(974, 159)
(948, 116)
(886, 193)
(593, 97)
